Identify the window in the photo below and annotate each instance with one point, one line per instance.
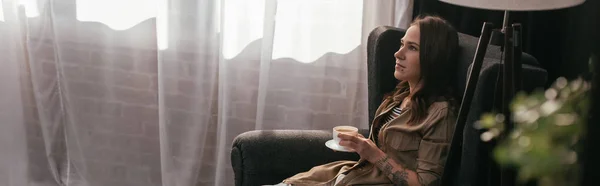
(31, 7)
(116, 14)
(243, 23)
(304, 30)
(1, 12)
(124, 14)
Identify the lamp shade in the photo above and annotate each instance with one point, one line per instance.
(516, 5)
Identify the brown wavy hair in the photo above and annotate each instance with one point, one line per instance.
(438, 61)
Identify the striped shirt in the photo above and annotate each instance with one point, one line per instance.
(395, 112)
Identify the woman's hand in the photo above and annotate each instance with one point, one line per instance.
(363, 146)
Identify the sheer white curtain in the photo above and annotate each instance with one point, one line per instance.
(152, 92)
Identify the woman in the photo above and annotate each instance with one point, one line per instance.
(413, 127)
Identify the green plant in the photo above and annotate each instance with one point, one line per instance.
(547, 130)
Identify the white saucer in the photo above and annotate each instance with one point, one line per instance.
(333, 145)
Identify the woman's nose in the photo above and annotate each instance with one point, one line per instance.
(399, 54)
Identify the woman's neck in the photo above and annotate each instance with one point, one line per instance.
(412, 88)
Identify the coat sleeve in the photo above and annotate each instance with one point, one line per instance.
(435, 145)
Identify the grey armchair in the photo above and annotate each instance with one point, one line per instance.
(269, 156)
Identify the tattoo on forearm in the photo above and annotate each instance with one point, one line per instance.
(399, 178)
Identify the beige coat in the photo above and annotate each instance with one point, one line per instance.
(422, 147)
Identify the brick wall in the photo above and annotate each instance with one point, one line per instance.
(107, 82)
(103, 94)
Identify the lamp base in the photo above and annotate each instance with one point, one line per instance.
(512, 70)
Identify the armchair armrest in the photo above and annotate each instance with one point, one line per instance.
(269, 156)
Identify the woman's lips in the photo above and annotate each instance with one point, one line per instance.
(399, 66)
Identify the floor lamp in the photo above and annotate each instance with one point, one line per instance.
(511, 48)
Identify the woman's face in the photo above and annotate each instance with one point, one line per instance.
(407, 58)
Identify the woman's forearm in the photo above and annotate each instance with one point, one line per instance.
(368, 150)
(396, 173)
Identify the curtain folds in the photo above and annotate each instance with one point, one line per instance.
(153, 92)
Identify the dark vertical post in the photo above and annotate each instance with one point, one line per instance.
(591, 152)
(590, 161)
(508, 73)
(454, 157)
(518, 51)
(508, 175)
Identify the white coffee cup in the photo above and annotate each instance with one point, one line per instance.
(343, 129)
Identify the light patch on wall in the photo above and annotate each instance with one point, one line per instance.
(306, 30)
(1, 12)
(162, 25)
(31, 7)
(242, 24)
(122, 15)
(116, 14)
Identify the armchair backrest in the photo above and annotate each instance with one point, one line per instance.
(480, 169)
